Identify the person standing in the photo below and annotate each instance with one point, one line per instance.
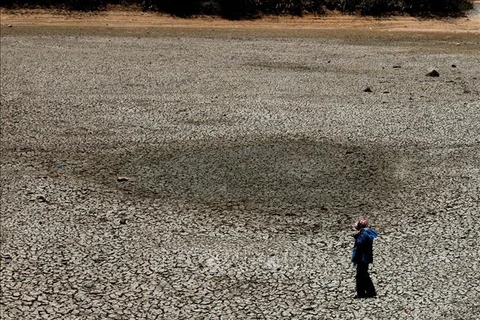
(362, 256)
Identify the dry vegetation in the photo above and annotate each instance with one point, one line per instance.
(241, 9)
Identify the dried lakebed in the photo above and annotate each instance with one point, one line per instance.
(206, 174)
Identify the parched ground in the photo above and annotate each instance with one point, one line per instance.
(159, 168)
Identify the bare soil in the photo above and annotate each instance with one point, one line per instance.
(331, 20)
(162, 168)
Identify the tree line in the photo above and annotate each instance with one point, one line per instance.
(250, 9)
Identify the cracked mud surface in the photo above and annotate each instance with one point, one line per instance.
(214, 174)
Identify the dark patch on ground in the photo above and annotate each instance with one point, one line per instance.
(275, 172)
(286, 66)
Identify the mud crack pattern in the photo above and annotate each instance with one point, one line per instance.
(177, 174)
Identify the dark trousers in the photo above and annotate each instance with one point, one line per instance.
(365, 286)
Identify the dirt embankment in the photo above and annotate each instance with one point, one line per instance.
(132, 18)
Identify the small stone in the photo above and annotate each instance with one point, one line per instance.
(10, 26)
(454, 66)
(308, 308)
(367, 89)
(123, 221)
(123, 179)
(38, 198)
(397, 67)
(433, 73)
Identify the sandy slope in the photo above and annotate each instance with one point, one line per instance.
(114, 18)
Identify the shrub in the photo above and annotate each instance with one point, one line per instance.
(182, 8)
(282, 7)
(239, 9)
(378, 7)
(242, 9)
(210, 7)
(413, 7)
(86, 5)
(80, 5)
(442, 7)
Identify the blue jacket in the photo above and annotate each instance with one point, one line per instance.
(363, 248)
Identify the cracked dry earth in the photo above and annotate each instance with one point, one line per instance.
(201, 174)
